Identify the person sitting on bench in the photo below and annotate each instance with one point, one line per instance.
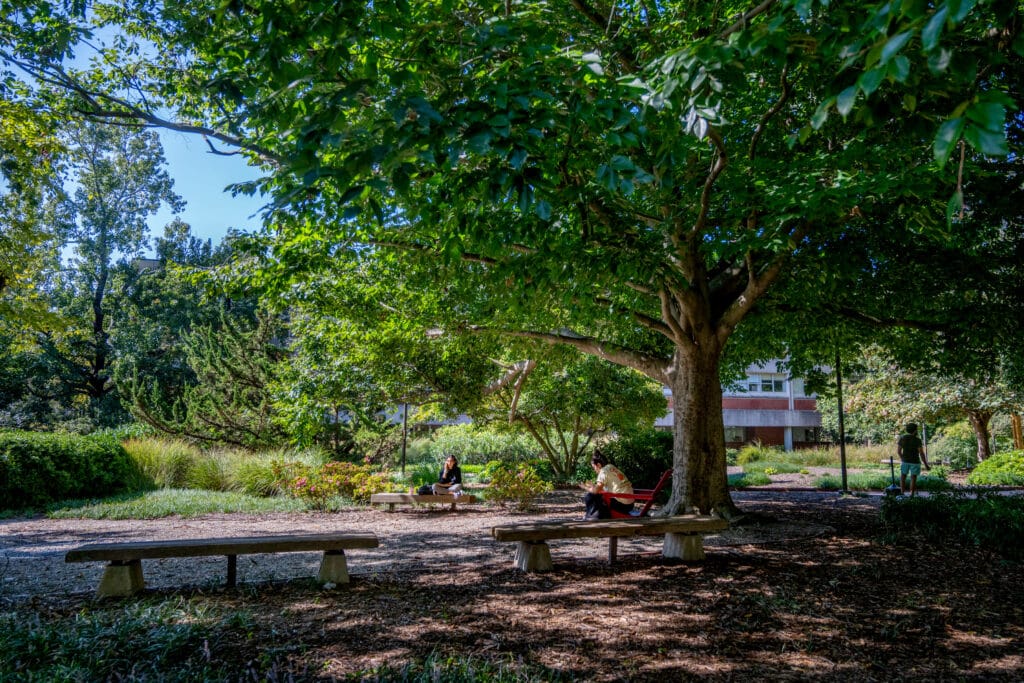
(450, 479)
(611, 479)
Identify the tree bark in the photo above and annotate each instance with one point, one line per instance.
(979, 420)
(1018, 432)
(700, 481)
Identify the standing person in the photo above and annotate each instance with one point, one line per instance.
(611, 479)
(911, 452)
(450, 479)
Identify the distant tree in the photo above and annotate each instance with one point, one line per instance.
(567, 400)
(29, 154)
(890, 395)
(236, 364)
(118, 181)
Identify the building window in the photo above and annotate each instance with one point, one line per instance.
(735, 435)
(766, 384)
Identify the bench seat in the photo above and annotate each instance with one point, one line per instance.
(683, 536)
(123, 576)
(393, 499)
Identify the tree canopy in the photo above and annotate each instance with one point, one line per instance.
(630, 179)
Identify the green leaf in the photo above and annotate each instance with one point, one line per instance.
(899, 69)
(870, 80)
(821, 113)
(990, 115)
(954, 205)
(986, 141)
(894, 45)
(938, 61)
(933, 29)
(948, 135)
(543, 210)
(845, 100)
(959, 9)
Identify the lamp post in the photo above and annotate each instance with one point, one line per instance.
(842, 429)
(405, 432)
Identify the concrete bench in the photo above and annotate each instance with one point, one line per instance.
(684, 536)
(393, 499)
(123, 576)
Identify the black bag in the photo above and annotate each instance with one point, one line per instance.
(425, 490)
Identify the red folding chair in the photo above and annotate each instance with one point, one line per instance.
(647, 496)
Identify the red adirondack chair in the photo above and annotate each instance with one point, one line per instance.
(646, 496)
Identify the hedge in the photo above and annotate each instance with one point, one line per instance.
(41, 468)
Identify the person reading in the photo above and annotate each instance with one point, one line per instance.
(610, 479)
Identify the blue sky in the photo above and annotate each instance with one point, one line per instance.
(200, 178)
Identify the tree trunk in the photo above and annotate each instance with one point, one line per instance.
(1018, 432)
(979, 420)
(699, 468)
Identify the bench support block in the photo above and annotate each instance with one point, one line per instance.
(688, 547)
(533, 556)
(333, 568)
(121, 579)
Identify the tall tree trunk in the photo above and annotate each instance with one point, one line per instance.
(1018, 432)
(699, 467)
(979, 420)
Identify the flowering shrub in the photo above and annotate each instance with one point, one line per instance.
(516, 484)
(317, 486)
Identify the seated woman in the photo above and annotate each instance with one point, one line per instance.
(450, 479)
(609, 479)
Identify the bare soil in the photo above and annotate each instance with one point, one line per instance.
(805, 590)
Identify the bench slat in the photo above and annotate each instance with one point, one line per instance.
(646, 526)
(194, 547)
(380, 498)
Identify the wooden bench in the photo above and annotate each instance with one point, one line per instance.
(393, 499)
(123, 576)
(684, 536)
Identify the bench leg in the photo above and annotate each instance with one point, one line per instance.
(533, 556)
(232, 570)
(333, 568)
(121, 578)
(684, 546)
(613, 548)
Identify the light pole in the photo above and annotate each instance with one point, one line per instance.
(842, 429)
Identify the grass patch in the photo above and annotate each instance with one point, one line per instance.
(749, 479)
(191, 639)
(167, 641)
(878, 481)
(778, 467)
(167, 502)
(463, 670)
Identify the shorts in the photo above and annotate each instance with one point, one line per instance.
(911, 468)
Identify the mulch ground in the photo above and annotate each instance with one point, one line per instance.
(807, 593)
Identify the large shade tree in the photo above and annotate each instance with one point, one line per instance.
(629, 179)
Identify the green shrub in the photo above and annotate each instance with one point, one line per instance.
(472, 444)
(518, 485)
(956, 446)
(319, 486)
(36, 468)
(983, 519)
(755, 452)
(164, 461)
(1002, 469)
(642, 455)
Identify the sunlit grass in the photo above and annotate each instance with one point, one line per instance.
(167, 502)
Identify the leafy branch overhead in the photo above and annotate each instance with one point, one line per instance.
(635, 181)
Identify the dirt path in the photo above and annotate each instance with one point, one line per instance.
(411, 540)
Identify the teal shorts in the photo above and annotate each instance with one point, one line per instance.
(911, 468)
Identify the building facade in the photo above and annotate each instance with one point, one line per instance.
(768, 407)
